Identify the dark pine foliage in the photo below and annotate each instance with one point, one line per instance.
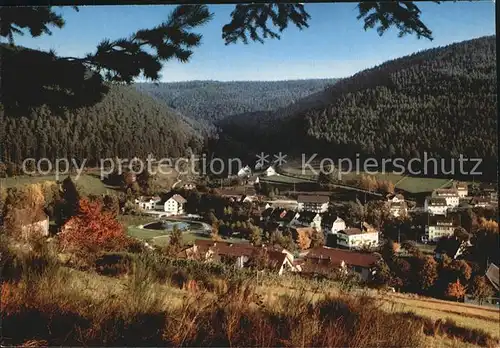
(125, 123)
(441, 101)
(211, 101)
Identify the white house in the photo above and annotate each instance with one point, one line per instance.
(450, 195)
(337, 226)
(147, 203)
(307, 219)
(174, 205)
(397, 205)
(436, 205)
(250, 198)
(317, 204)
(353, 238)
(398, 209)
(439, 226)
(462, 189)
(270, 171)
(395, 198)
(244, 172)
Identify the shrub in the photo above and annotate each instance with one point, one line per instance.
(92, 230)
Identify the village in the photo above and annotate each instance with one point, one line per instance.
(311, 232)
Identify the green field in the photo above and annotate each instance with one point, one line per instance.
(417, 185)
(401, 182)
(86, 183)
(161, 238)
(282, 179)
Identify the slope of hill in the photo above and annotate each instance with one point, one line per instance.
(125, 123)
(210, 101)
(441, 101)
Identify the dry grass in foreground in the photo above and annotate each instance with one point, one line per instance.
(58, 306)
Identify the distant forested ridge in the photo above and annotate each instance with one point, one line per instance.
(211, 101)
(125, 123)
(441, 101)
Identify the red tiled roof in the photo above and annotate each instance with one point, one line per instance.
(276, 258)
(234, 250)
(336, 256)
(320, 266)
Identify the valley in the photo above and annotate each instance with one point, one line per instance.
(326, 189)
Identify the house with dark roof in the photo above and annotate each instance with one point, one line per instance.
(436, 205)
(277, 213)
(239, 254)
(288, 217)
(307, 219)
(449, 194)
(283, 217)
(314, 203)
(492, 274)
(440, 226)
(361, 263)
(266, 214)
(451, 247)
(462, 189)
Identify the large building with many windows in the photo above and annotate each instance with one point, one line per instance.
(450, 195)
(316, 204)
(440, 226)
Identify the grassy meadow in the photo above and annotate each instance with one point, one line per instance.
(89, 182)
(86, 183)
(151, 300)
(410, 184)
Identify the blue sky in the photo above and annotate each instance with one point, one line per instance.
(335, 45)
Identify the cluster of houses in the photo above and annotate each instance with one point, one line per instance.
(320, 260)
(311, 211)
(173, 204)
(445, 201)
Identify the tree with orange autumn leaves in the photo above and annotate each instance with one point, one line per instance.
(92, 230)
(456, 290)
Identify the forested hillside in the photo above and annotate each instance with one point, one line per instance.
(125, 123)
(441, 101)
(210, 101)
